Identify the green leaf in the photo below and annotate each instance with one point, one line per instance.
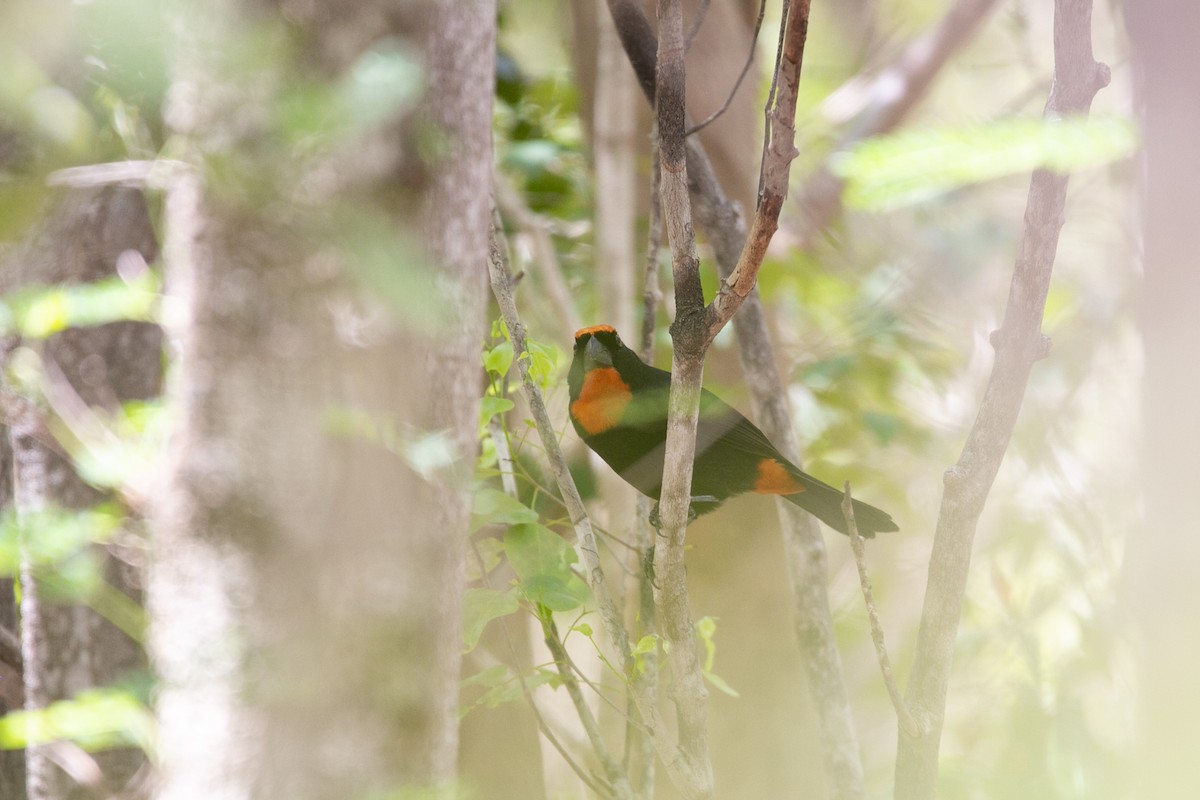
(97, 719)
(493, 506)
(492, 676)
(719, 682)
(38, 311)
(706, 627)
(888, 172)
(543, 358)
(647, 644)
(556, 592)
(486, 549)
(535, 550)
(481, 606)
(491, 406)
(499, 358)
(583, 628)
(542, 560)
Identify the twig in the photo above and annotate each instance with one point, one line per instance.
(858, 545)
(614, 631)
(504, 459)
(697, 22)
(651, 294)
(549, 269)
(615, 775)
(1018, 343)
(776, 167)
(787, 4)
(699, 126)
(639, 752)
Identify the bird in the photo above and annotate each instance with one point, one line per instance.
(618, 406)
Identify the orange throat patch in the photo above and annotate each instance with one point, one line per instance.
(773, 478)
(602, 400)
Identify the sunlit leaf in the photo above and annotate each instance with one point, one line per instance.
(887, 172)
(98, 719)
(481, 606)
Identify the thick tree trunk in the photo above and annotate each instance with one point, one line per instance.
(306, 595)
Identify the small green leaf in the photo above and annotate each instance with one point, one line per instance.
(489, 677)
(534, 550)
(491, 406)
(719, 682)
(583, 628)
(481, 606)
(542, 360)
(499, 358)
(493, 506)
(647, 644)
(556, 592)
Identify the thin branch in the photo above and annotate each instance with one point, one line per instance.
(1019, 343)
(699, 126)
(615, 775)
(543, 727)
(651, 294)
(858, 545)
(545, 257)
(689, 693)
(697, 22)
(639, 749)
(614, 631)
(776, 167)
(766, 145)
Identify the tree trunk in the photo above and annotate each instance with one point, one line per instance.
(67, 646)
(306, 595)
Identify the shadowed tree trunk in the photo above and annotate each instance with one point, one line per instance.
(67, 646)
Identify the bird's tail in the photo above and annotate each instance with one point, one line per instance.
(825, 503)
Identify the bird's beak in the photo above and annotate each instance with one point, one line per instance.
(597, 354)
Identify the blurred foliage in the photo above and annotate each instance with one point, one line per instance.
(99, 719)
(885, 172)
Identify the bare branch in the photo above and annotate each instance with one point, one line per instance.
(858, 545)
(776, 166)
(725, 229)
(544, 255)
(688, 691)
(711, 118)
(1018, 343)
(618, 783)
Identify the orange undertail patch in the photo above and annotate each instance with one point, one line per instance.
(773, 478)
(602, 400)
(595, 329)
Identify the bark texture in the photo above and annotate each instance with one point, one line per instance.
(66, 646)
(307, 591)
